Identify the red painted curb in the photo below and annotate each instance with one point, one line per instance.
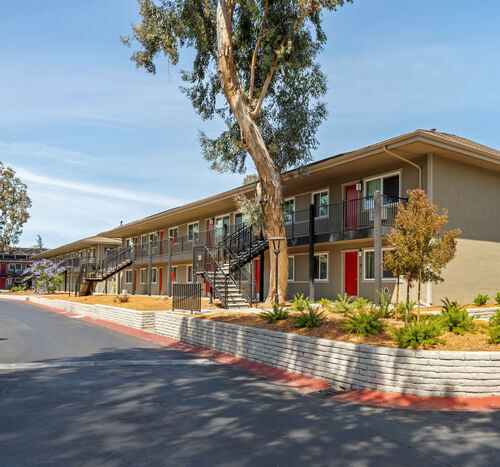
(402, 401)
(302, 383)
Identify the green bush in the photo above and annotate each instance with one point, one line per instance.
(278, 313)
(300, 303)
(423, 333)
(308, 319)
(401, 309)
(364, 323)
(497, 298)
(455, 318)
(495, 319)
(361, 303)
(481, 300)
(342, 304)
(18, 288)
(494, 335)
(385, 301)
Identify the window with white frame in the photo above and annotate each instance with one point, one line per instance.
(190, 273)
(321, 267)
(154, 274)
(193, 230)
(291, 268)
(320, 201)
(128, 276)
(153, 238)
(289, 209)
(144, 276)
(388, 185)
(239, 222)
(173, 232)
(369, 266)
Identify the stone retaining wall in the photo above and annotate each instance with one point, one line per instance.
(344, 365)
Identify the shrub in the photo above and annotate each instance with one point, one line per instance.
(364, 323)
(47, 275)
(495, 319)
(401, 309)
(342, 304)
(384, 301)
(278, 313)
(308, 319)
(497, 298)
(300, 303)
(481, 300)
(455, 318)
(423, 333)
(494, 335)
(121, 299)
(361, 303)
(18, 288)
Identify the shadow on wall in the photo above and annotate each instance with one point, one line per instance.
(213, 415)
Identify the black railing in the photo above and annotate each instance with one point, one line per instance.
(114, 260)
(186, 297)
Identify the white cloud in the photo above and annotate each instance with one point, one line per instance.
(42, 151)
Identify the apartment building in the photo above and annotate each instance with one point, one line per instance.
(329, 214)
(13, 263)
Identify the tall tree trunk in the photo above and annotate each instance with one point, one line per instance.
(397, 292)
(407, 301)
(271, 195)
(418, 297)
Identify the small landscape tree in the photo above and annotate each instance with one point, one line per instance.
(421, 248)
(14, 205)
(47, 275)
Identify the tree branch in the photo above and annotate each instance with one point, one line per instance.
(277, 52)
(254, 56)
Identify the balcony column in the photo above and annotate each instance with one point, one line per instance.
(377, 239)
(261, 275)
(312, 211)
(169, 278)
(150, 267)
(133, 269)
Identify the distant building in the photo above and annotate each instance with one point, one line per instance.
(13, 262)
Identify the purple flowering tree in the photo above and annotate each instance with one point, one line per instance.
(47, 275)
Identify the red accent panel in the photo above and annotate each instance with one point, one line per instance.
(135, 281)
(3, 268)
(351, 273)
(257, 275)
(3, 282)
(161, 274)
(351, 207)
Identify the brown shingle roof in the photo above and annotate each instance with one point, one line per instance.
(464, 141)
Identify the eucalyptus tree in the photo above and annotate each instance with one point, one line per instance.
(261, 57)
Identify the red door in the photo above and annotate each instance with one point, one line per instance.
(3, 283)
(351, 273)
(208, 233)
(3, 268)
(161, 275)
(257, 276)
(351, 207)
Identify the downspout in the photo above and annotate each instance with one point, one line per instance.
(409, 162)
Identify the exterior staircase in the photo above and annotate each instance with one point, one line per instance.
(228, 257)
(115, 262)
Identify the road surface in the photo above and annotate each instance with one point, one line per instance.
(73, 393)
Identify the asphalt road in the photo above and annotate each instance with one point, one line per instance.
(101, 398)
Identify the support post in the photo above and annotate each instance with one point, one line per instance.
(119, 283)
(169, 278)
(106, 286)
(311, 251)
(133, 269)
(150, 267)
(377, 240)
(261, 276)
(194, 266)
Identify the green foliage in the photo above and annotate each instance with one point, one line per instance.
(497, 298)
(481, 300)
(423, 333)
(455, 318)
(300, 303)
(14, 205)
(342, 305)
(384, 304)
(278, 313)
(361, 303)
(495, 319)
(18, 288)
(364, 322)
(494, 335)
(285, 38)
(252, 212)
(402, 307)
(308, 319)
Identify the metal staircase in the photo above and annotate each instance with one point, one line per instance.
(220, 264)
(88, 276)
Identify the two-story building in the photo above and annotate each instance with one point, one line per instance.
(331, 246)
(13, 263)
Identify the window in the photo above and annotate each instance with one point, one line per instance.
(130, 241)
(144, 276)
(291, 268)
(173, 232)
(174, 274)
(220, 223)
(153, 238)
(320, 201)
(238, 221)
(12, 267)
(321, 267)
(144, 239)
(289, 209)
(190, 273)
(193, 230)
(154, 273)
(369, 266)
(128, 276)
(388, 185)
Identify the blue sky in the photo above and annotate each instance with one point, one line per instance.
(98, 141)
